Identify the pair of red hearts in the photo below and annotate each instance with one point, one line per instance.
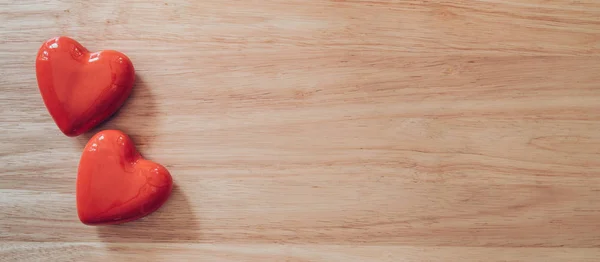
(82, 89)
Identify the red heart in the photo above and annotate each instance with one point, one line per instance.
(79, 88)
(115, 184)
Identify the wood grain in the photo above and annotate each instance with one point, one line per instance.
(319, 130)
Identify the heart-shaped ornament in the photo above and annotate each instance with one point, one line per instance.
(115, 184)
(79, 88)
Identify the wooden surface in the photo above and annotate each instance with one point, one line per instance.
(314, 130)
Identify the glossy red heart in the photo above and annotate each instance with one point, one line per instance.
(115, 184)
(79, 88)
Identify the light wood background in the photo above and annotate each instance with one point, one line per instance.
(315, 130)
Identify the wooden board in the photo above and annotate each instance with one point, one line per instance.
(315, 130)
